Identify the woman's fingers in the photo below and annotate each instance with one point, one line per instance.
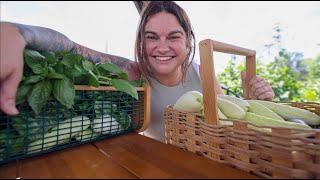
(260, 89)
(8, 91)
(255, 80)
(11, 69)
(266, 96)
(257, 86)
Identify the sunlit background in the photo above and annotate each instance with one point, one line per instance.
(111, 26)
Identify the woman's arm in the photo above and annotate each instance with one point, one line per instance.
(127, 65)
(15, 37)
(45, 39)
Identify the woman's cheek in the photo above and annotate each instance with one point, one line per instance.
(180, 47)
(182, 51)
(149, 48)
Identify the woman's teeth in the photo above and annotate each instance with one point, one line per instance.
(162, 58)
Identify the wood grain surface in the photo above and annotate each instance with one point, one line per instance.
(128, 156)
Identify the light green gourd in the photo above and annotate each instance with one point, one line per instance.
(60, 134)
(260, 109)
(191, 101)
(289, 112)
(259, 120)
(238, 101)
(221, 115)
(230, 109)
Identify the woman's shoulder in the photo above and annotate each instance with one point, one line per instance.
(196, 67)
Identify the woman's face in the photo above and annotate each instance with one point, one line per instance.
(166, 44)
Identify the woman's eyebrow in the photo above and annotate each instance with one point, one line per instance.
(151, 32)
(175, 32)
(170, 34)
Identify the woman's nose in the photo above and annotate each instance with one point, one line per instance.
(163, 46)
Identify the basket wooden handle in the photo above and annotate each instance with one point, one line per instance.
(207, 73)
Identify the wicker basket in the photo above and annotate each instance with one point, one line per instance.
(265, 151)
(98, 113)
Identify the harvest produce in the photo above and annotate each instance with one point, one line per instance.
(289, 112)
(240, 102)
(257, 112)
(265, 121)
(60, 134)
(191, 101)
(230, 109)
(259, 109)
(221, 115)
(52, 113)
(48, 74)
(109, 118)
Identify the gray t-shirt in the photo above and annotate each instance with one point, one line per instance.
(162, 96)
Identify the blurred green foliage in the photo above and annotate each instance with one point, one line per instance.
(299, 82)
(292, 77)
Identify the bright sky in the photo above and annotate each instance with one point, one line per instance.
(111, 25)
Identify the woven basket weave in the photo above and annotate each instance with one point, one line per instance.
(265, 151)
(284, 153)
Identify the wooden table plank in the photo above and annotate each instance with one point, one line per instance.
(9, 171)
(132, 161)
(124, 156)
(84, 161)
(147, 158)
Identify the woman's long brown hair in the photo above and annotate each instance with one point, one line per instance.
(151, 9)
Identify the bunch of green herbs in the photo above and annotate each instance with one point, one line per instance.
(56, 74)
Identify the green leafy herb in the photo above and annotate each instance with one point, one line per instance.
(33, 79)
(57, 73)
(23, 92)
(64, 92)
(39, 95)
(125, 86)
(35, 61)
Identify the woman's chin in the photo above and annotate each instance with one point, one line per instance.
(163, 72)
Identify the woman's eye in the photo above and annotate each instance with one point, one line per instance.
(174, 37)
(150, 37)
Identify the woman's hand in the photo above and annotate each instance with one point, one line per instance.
(11, 68)
(260, 88)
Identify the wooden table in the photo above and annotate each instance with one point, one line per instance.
(126, 156)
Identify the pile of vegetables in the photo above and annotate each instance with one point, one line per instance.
(257, 112)
(52, 112)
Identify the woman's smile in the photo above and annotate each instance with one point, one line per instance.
(163, 59)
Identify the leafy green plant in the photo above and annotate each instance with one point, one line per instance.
(57, 73)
